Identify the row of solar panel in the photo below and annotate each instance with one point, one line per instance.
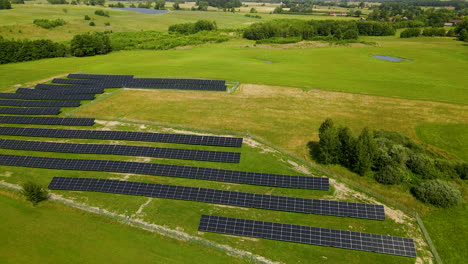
(123, 135)
(29, 111)
(180, 81)
(99, 76)
(265, 179)
(61, 91)
(142, 80)
(47, 120)
(170, 153)
(38, 96)
(176, 86)
(261, 201)
(21, 103)
(309, 235)
(59, 87)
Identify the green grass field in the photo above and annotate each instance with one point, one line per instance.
(59, 234)
(282, 103)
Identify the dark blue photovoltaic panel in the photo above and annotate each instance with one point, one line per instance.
(47, 120)
(52, 97)
(265, 179)
(309, 235)
(261, 201)
(71, 92)
(20, 103)
(29, 111)
(123, 135)
(170, 153)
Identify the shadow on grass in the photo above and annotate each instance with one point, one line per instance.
(313, 149)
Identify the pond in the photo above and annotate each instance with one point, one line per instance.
(389, 58)
(143, 10)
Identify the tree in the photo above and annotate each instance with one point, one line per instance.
(176, 6)
(362, 5)
(329, 143)
(365, 152)
(390, 174)
(160, 4)
(5, 4)
(278, 10)
(90, 44)
(34, 192)
(202, 6)
(347, 147)
(253, 10)
(438, 193)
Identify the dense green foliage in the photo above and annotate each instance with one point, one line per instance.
(223, 3)
(101, 12)
(410, 33)
(154, 40)
(27, 50)
(461, 29)
(57, 2)
(34, 192)
(438, 193)
(160, 4)
(286, 28)
(48, 24)
(434, 32)
(5, 4)
(277, 40)
(119, 4)
(192, 28)
(86, 17)
(90, 44)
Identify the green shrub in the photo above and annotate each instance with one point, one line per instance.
(192, 28)
(57, 2)
(48, 24)
(422, 165)
(253, 16)
(107, 24)
(390, 174)
(277, 40)
(438, 193)
(34, 192)
(410, 33)
(433, 32)
(92, 24)
(90, 44)
(100, 12)
(5, 4)
(86, 17)
(462, 170)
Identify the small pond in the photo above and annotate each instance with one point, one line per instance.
(143, 10)
(389, 58)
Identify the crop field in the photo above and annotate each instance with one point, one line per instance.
(278, 95)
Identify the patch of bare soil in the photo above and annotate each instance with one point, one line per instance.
(6, 174)
(299, 168)
(108, 125)
(254, 144)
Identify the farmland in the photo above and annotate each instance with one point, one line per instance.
(279, 94)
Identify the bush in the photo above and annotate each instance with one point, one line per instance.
(253, 16)
(100, 12)
(48, 24)
(92, 24)
(107, 24)
(90, 44)
(34, 192)
(438, 193)
(410, 33)
(390, 174)
(434, 32)
(192, 28)
(422, 165)
(86, 17)
(279, 40)
(160, 4)
(27, 50)
(462, 170)
(15, 1)
(57, 2)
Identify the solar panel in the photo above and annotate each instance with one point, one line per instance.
(58, 87)
(265, 179)
(40, 103)
(57, 97)
(29, 111)
(47, 120)
(170, 153)
(61, 91)
(261, 201)
(123, 135)
(309, 235)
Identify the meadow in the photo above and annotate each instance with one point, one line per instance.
(285, 92)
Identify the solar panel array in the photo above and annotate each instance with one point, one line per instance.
(47, 120)
(61, 91)
(29, 111)
(38, 96)
(170, 153)
(309, 235)
(265, 179)
(123, 135)
(261, 201)
(20, 103)
(58, 87)
(81, 81)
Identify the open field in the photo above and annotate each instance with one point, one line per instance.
(60, 234)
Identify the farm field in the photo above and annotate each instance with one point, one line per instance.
(278, 97)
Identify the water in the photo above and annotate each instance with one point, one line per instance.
(143, 10)
(389, 58)
(267, 61)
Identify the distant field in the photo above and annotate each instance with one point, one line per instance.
(55, 233)
(342, 68)
(451, 137)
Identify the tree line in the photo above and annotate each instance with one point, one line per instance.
(391, 158)
(5, 4)
(307, 30)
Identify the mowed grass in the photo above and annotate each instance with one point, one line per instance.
(55, 233)
(450, 137)
(18, 22)
(338, 68)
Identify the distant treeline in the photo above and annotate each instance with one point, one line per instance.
(5, 4)
(307, 30)
(28, 50)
